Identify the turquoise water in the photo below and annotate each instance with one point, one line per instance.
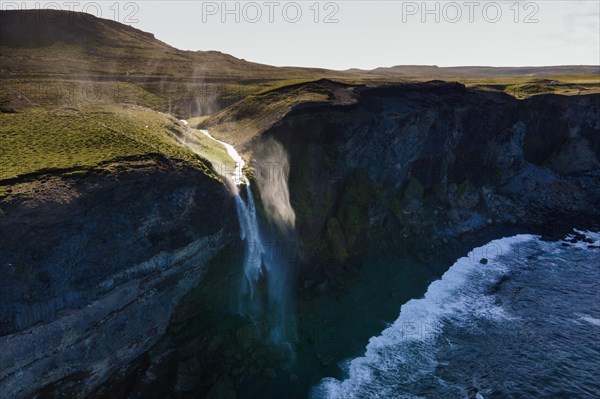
(517, 318)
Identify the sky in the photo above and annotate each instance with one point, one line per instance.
(367, 34)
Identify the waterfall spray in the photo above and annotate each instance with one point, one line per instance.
(273, 183)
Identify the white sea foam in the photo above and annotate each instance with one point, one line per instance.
(407, 345)
(590, 235)
(587, 318)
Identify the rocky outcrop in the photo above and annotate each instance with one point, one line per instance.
(415, 165)
(92, 269)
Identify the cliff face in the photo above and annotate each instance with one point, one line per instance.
(93, 268)
(416, 165)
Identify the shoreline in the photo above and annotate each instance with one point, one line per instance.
(324, 341)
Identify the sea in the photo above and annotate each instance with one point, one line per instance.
(517, 318)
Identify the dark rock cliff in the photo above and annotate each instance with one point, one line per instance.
(92, 269)
(413, 166)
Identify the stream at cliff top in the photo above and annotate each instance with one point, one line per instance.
(525, 324)
(237, 175)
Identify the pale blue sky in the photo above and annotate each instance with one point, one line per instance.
(368, 34)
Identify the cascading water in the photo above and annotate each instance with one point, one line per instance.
(253, 259)
(265, 287)
(238, 175)
(264, 292)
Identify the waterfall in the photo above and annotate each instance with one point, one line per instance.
(253, 257)
(266, 282)
(265, 291)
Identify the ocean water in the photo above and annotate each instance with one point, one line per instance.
(517, 318)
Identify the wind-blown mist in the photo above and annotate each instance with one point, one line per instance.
(272, 183)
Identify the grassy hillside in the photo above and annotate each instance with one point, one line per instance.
(77, 91)
(49, 57)
(257, 112)
(62, 54)
(523, 87)
(102, 48)
(72, 140)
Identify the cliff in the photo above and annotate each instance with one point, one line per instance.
(93, 268)
(412, 166)
(99, 263)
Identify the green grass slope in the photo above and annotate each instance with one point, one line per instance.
(70, 140)
(53, 53)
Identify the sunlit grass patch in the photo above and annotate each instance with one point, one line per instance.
(70, 138)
